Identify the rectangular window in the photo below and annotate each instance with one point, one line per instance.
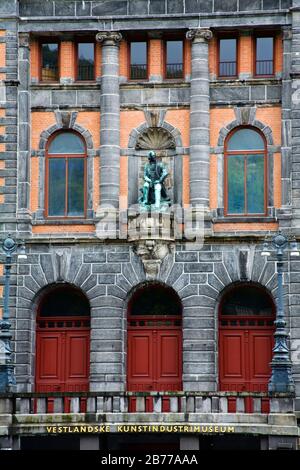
(264, 64)
(255, 184)
(49, 62)
(57, 187)
(75, 187)
(138, 60)
(66, 187)
(228, 57)
(85, 61)
(245, 184)
(174, 59)
(236, 178)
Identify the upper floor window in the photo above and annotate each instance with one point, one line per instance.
(138, 60)
(66, 176)
(49, 62)
(227, 57)
(85, 61)
(245, 173)
(264, 57)
(174, 59)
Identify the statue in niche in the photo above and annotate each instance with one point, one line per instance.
(154, 194)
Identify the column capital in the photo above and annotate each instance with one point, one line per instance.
(109, 38)
(199, 34)
(24, 40)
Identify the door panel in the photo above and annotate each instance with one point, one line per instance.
(140, 360)
(260, 350)
(77, 361)
(245, 357)
(62, 360)
(232, 360)
(49, 362)
(168, 366)
(154, 359)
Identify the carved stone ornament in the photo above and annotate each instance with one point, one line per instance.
(110, 38)
(152, 253)
(155, 138)
(199, 34)
(24, 40)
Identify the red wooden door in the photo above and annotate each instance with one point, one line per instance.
(245, 357)
(62, 356)
(154, 359)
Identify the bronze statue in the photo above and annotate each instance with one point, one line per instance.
(154, 192)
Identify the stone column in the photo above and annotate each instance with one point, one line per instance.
(199, 118)
(24, 129)
(110, 119)
(286, 148)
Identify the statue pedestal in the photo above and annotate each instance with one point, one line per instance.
(151, 226)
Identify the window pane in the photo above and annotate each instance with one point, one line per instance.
(75, 186)
(49, 62)
(174, 59)
(236, 178)
(67, 142)
(138, 60)
(86, 59)
(227, 57)
(57, 186)
(264, 56)
(255, 184)
(246, 139)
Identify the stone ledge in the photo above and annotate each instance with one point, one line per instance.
(241, 423)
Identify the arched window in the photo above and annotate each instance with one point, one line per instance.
(245, 173)
(66, 176)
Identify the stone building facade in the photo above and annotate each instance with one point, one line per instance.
(188, 121)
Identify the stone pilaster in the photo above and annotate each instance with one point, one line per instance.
(199, 118)
(284, 214)
(110, 119)
(295, 112)
(23, 129)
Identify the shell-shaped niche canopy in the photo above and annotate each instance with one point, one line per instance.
(155, 138)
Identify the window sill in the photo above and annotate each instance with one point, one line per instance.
(243, 219)
(63, 221)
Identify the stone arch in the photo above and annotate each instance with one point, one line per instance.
(174, 135)
(55, 267)
(65, 121)
(167, 142)
(245, 116)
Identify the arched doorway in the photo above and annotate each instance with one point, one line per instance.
(154, 355)
(63, 341)
(246, 328)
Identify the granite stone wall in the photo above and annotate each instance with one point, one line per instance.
(108, 273)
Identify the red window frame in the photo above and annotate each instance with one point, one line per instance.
(264, 34)
(166, 40)
(227, 154)
(129, 59)
(65, 156)
(40, 59)
(83, 41)
(228, 36)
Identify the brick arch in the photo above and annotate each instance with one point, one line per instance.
(260, 126)
(174, 154)
(173, 131)
(245, 116)
(65, 121)
(65, 124)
